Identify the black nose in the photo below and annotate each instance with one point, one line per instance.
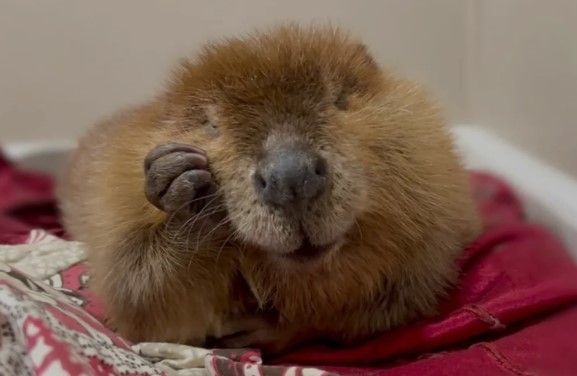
(290, 175)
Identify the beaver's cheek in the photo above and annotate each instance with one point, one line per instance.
(336, 213)
(327, 226)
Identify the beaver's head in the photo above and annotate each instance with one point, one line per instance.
(287, 118)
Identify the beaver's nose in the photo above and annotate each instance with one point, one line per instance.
(290, 176)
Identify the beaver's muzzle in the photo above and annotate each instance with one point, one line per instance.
(290, 176)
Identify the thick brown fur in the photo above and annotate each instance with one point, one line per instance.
(399, 209)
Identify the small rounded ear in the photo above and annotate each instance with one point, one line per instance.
(353, 79)
(364, 55)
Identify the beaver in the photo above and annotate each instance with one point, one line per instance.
(283, 187)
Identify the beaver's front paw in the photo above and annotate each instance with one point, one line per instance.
(177, 179)
(260, 332)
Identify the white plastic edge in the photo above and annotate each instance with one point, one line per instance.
(549, 196)
(23, 150)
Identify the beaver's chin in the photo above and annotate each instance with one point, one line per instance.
(308, 252)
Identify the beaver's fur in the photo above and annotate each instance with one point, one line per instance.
(398, 210)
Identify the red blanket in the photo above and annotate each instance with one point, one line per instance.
(514, 313)
(26, 202)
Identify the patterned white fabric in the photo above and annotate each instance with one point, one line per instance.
(42, 255)
(45, 327)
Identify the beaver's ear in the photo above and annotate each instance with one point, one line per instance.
(364, 57)
(355, 77)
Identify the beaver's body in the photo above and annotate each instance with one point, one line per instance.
(327, 195)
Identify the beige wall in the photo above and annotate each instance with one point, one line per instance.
(523, 74)
(509, 65)
(64, 64)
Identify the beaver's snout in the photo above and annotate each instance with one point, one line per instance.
(290, 176)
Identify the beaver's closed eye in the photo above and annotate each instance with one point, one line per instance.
(211, 128)
(342, 101)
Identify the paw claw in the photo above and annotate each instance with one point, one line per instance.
(164, 149)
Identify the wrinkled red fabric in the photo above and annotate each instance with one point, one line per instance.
(26, 202)
(514, 312)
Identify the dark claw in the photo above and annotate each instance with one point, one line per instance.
(169, 148)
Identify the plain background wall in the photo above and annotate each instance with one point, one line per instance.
(509, 65)
(65, 64)
(522, 74)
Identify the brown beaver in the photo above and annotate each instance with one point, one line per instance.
(283, 187)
